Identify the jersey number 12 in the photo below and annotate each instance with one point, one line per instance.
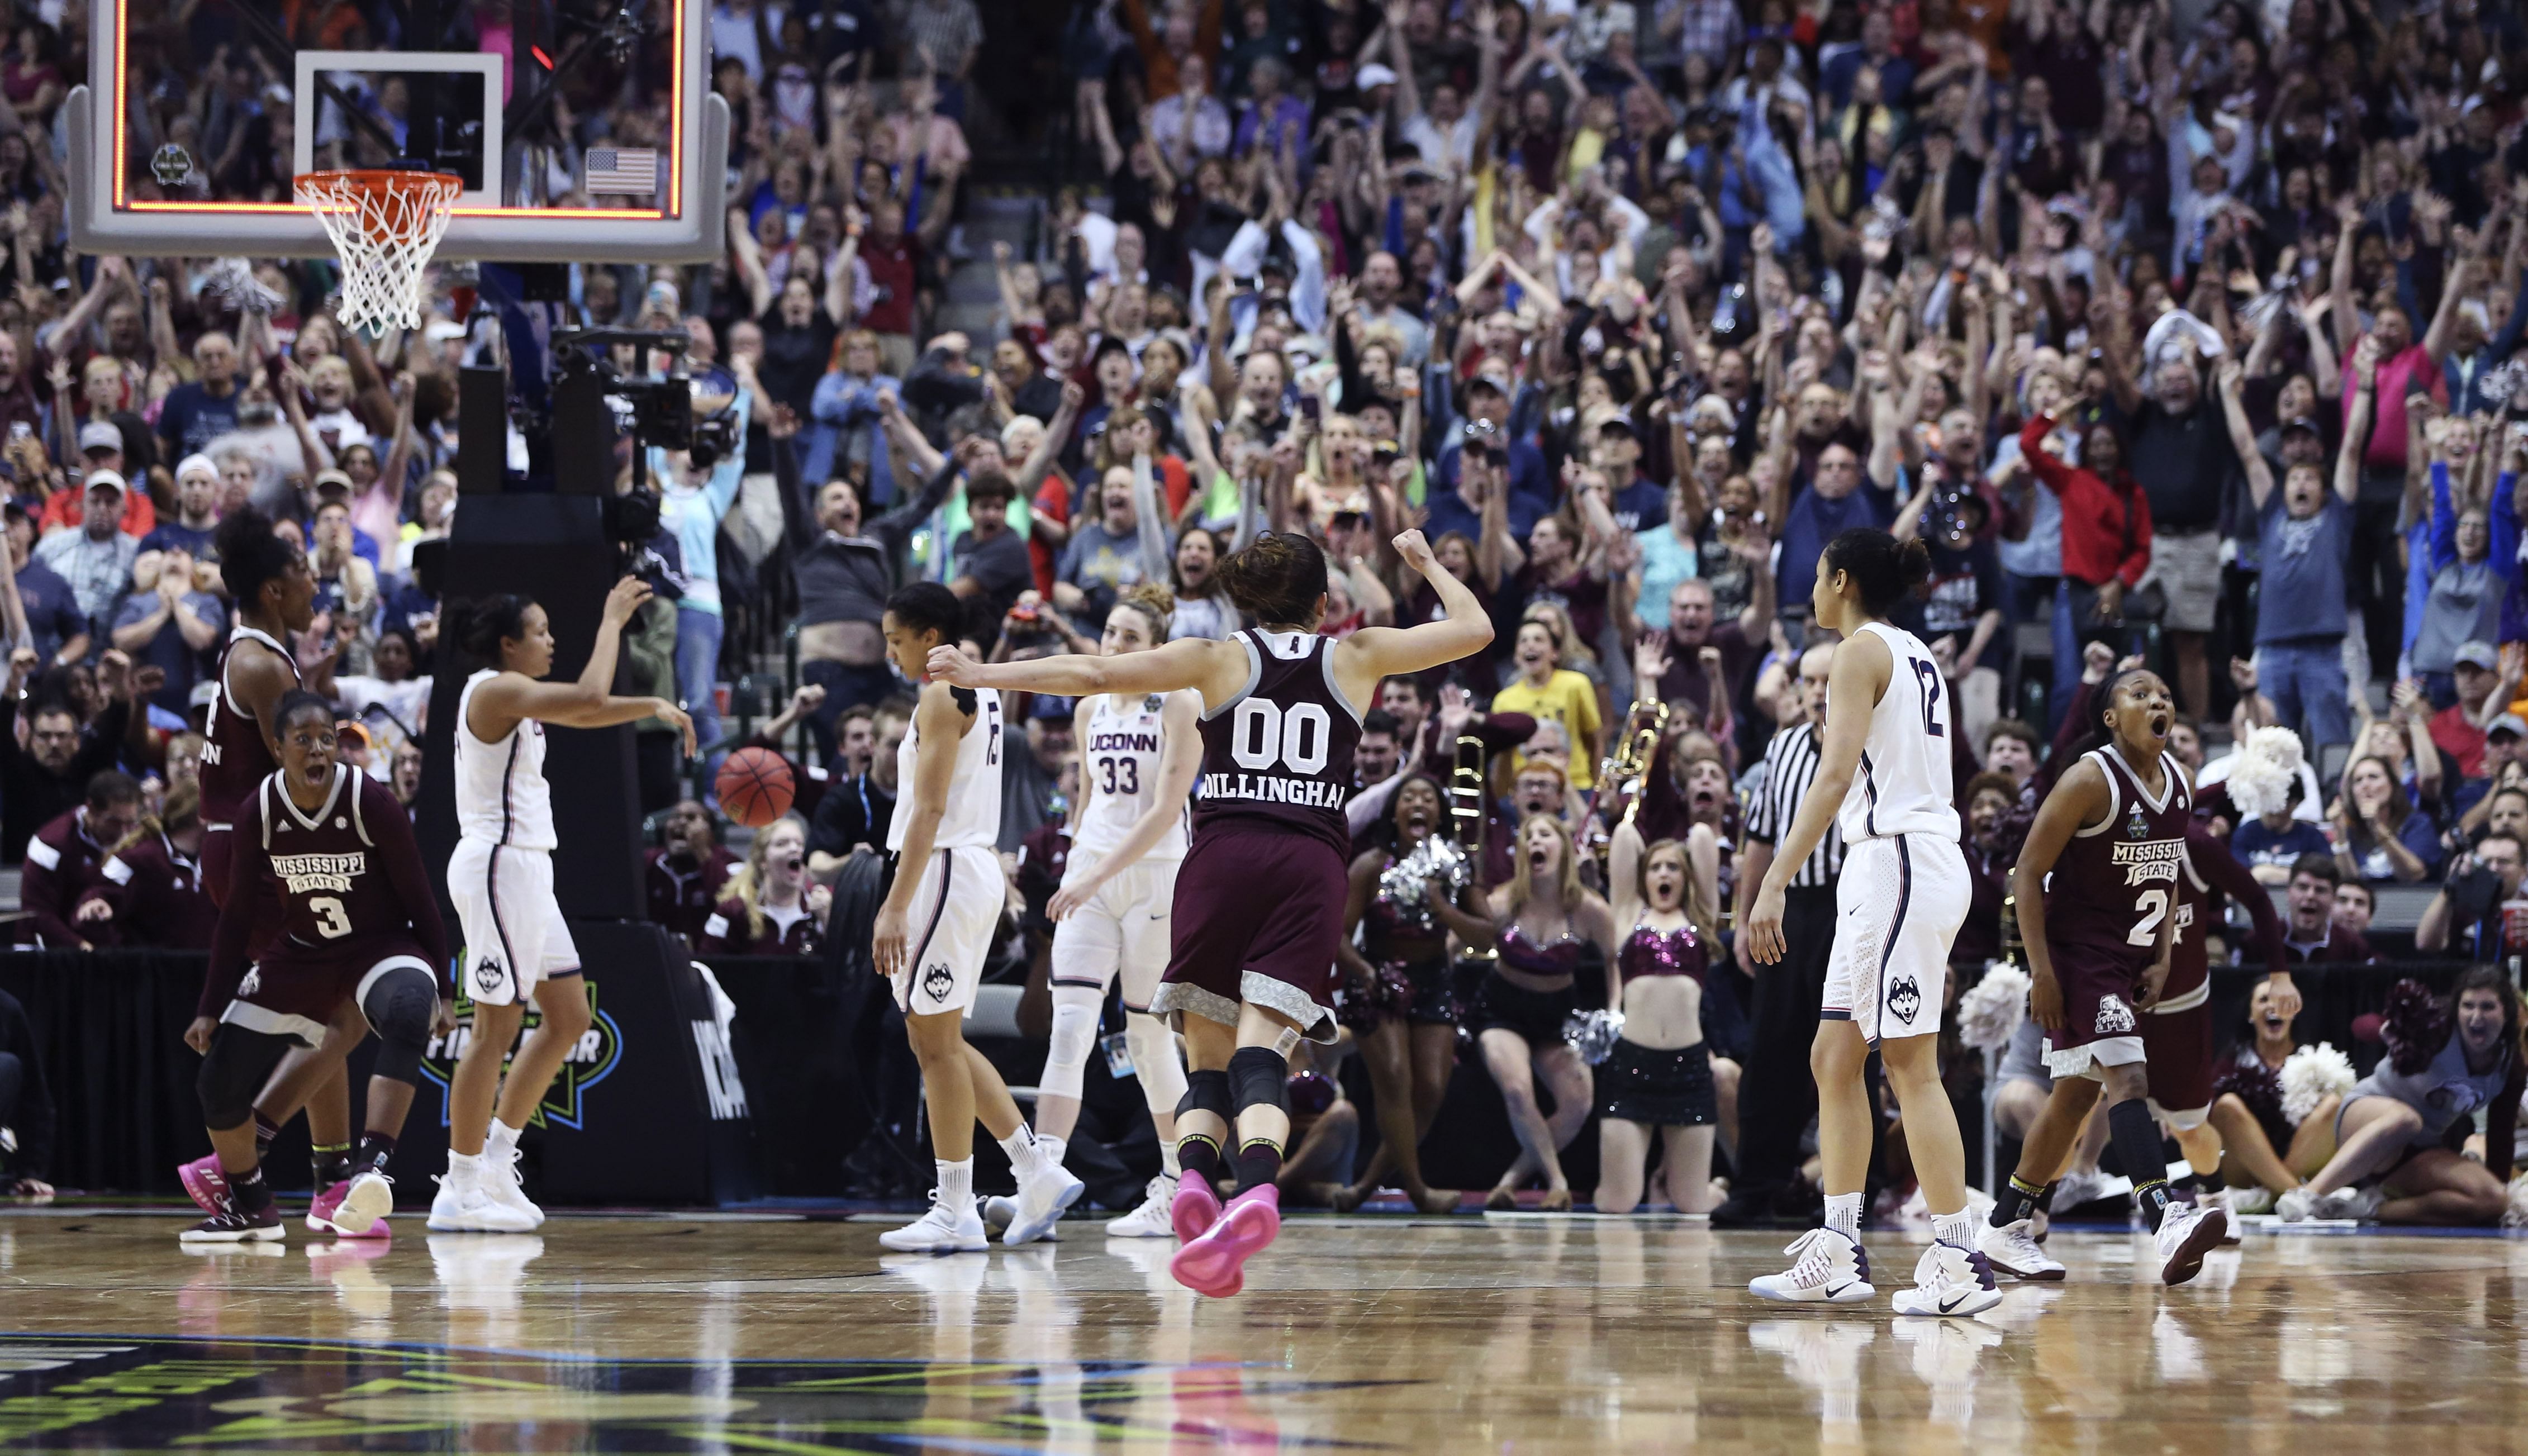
(1929, 673)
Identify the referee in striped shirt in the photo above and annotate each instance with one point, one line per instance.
(1778, 1097)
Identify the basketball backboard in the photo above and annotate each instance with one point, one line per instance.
(584, 129)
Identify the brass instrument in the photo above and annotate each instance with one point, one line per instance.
(1629, 765)
(1470, 813)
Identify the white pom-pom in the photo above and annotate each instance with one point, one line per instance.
(1990, 1011)
(2267, 763)
(2312, 1074)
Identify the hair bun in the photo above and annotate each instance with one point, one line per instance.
(1914, 563)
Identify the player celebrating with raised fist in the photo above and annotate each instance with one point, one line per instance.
(1884, 780)
(1259, 900)
(501, 877)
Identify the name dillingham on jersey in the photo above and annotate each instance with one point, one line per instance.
(2151, 859)
(1273, 789)
(301, 874)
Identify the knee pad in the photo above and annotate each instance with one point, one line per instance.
(1155, 1061)
(1260, 1076)
(1075, 1035)
(234, 1072)
(1207, 1092)
(399, 1005)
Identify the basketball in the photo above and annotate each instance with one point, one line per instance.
(753, 787)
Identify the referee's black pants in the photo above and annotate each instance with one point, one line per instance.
(1776, 1094)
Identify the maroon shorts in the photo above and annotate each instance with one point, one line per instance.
(295, 990)
(2178, 1046)
(1258, 913)
(2101, 1026)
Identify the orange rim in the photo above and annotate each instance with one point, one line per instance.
(325, 190)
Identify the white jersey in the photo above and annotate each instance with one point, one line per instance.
(1118, 776)
(501, 797)
(973, 817)
(1905, 786)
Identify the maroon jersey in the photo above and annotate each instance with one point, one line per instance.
(2115, 882)
(235, 757)
(157, 895)
(731, 931)
(2212, 871)
(348, 879)
(1280, 753)
(63, 862)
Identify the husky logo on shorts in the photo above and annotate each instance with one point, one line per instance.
(938, 980)
(253, 983)
(1904, 998)
(487, 974)
(2114, 1016)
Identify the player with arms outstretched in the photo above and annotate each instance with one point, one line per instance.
(934, 931)
(2100, 895)
(500, 878)
(1259, 900)
(329, 852)
(1883, 779)
(1138, 754)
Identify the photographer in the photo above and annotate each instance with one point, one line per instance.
(2466, 916)
(698, 487)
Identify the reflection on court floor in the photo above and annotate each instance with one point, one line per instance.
(1526, 1334)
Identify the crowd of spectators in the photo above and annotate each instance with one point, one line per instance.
(2180, 330)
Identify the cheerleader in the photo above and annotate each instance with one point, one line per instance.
(1662, 1073)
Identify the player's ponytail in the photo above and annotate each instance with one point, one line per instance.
(479, 624)
(1279, 580)
(1153, 601)
(1886, 571)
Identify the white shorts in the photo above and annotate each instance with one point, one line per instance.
(956, 907)
(1899, 903)
(512, 927)
(1124, 927)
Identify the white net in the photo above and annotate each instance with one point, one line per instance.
(384, 226)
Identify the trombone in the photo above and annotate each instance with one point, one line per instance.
(1469, 812)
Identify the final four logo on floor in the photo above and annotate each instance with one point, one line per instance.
(590, 1063)
(144, 1392)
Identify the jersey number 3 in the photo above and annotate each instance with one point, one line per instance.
(332, 920)
(1929, 673)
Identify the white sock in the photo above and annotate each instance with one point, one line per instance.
(1843, 1214)
(1050, 1148)
(464, 1162)
(957, 1184)
(501, 1138)
(1954, 1229)
(1168, 1160)
(1025, 1154)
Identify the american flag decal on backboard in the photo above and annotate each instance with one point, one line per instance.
(623, 170)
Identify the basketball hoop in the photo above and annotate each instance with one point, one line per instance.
(385, 224)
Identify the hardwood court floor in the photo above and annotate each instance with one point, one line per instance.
(1525, 1334)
